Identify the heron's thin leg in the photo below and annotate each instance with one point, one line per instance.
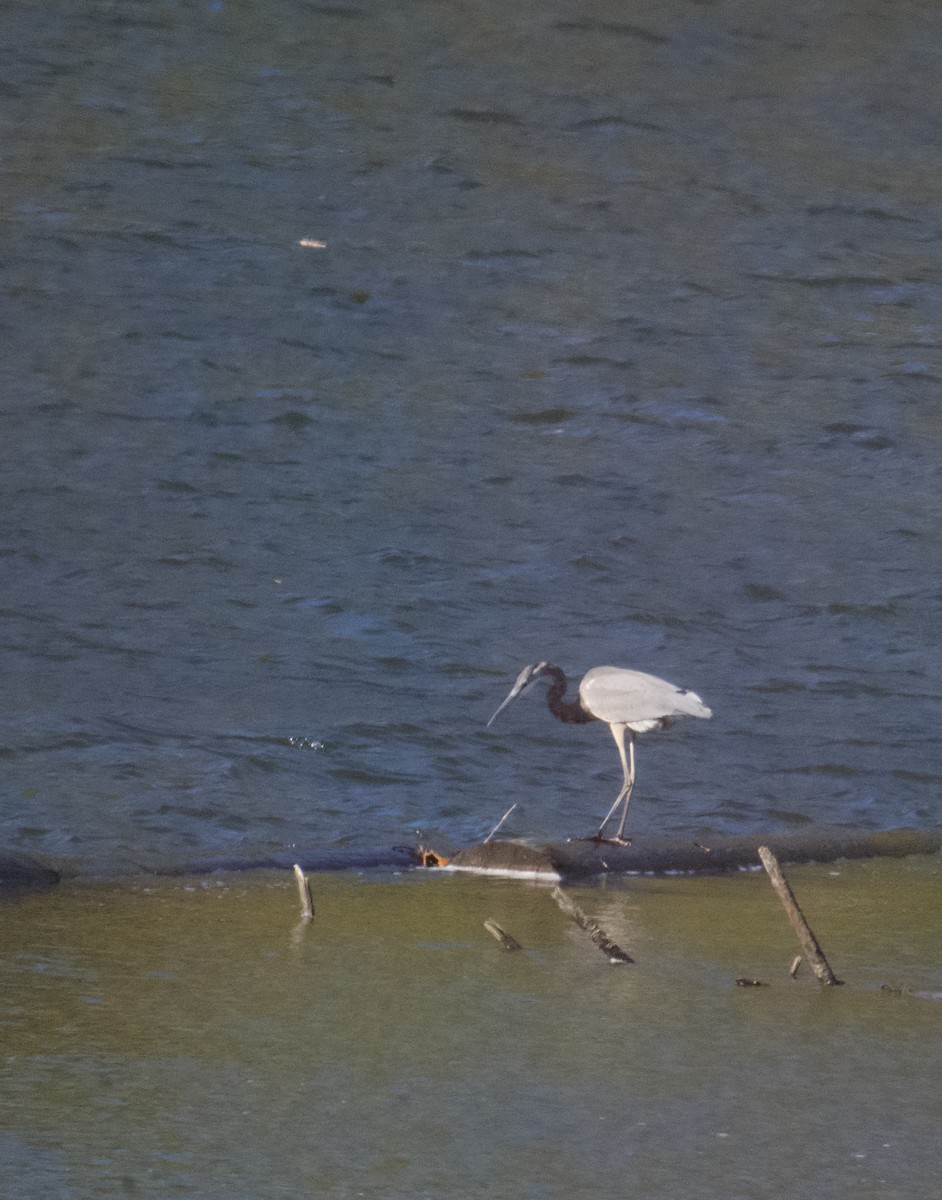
(624, 811)
(610, 812)
(618, 733)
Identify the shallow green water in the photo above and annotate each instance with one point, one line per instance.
(188, 1038)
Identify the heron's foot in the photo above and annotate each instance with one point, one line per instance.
(609, 841)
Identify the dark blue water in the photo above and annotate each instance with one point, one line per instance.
(621, 346)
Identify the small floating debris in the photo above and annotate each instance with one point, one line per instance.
(893, 990)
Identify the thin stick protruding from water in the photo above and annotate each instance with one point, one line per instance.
(599, 937)
(304, 892)
(506, 940)
(813, 954)
(500, 822)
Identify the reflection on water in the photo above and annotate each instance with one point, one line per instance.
(359, 354)
(190, 1038)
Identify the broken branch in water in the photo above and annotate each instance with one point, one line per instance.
(505, 939)
(600, 938)
(813, 954)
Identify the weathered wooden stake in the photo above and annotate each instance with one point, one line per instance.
(814, 955)
(508, 942)
(304, 891)
(600, 938)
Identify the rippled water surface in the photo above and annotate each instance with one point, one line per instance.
(356, 355)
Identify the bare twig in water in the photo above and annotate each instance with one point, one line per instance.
(813, 954)
(500, 822)
(304, 891)
(796, 963)
(600, 938)
(505, 939)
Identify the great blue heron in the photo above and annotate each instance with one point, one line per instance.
(628, 701)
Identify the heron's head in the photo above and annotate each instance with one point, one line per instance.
(525, 680)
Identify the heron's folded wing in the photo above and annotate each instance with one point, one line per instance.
(616, 694)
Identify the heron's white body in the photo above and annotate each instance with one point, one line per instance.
(642, 702)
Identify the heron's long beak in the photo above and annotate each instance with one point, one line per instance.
(512, 695)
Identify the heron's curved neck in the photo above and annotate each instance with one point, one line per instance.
(570, 711)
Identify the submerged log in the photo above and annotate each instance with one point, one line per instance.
(552, 861)
(655, 855)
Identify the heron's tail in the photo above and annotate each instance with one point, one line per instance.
(689, 704)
